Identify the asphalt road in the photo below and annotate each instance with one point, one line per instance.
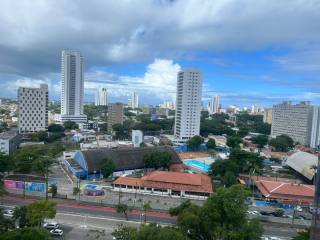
(77, 220)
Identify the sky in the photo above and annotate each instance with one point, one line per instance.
(250, 52)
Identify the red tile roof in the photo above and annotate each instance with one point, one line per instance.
(170, 180)
(286, 191)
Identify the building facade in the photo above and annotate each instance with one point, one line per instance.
(137, 138)
(134, 101)
(214, 104)
(292, 120)
(9, 142)
(72, 84)
(267, 115)
(33, 109)
(188, 104)
(101, 97)
(115, 115)
(315, 129)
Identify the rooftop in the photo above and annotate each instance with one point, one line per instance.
(8, 134)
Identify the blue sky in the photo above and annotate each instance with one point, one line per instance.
(250, 52)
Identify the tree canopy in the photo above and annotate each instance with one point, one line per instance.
(157, 159)
(234, 141)
(195, 142)
(55, 128)
(108, 167)
(260, 140)
(38, 211)
(70, 125)
(211, 144)
(281, 143)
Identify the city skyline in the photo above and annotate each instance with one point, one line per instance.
(242, 63)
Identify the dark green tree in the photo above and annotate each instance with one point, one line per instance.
(107, 168)
(195, 142)
(211, 144)
(38, 211)
(20, 214)
(234, 141)
(122, 208)
(40, 136)
(58, 128)
(281, 143)
(303, 235)
(157, 159)
(123, 232)
(260, 140)
(26, 234)
(70, 125)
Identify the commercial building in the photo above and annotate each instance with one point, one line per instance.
(33, 109)
(72, 84)
(115, 115)
(188, 104)
(137, 138)
(178, 184)
(101, 97)
(267, 115)
(315, 129)
(288, 192)
(9, 142)
(214, 104)
(292, 120)
(134, 100)
(88, 163)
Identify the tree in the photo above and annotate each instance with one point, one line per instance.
(26, 234)
(223, 216)
(179, 209)
(156, 232)
(120, 131)
(303, 235)
(39, 210)
(195, 142)
(40, 136)
(123, 232)
(53, 190)
(20, 214)
(278, 212)
(157, 159)
(108, 167)
(5, 223)
(211, 144)
(260, 140)
(56, 128)
(75, 191)
(70, 125)
(122, 208)
(281, 143)
(146, 207)
(234, 141)
(243, 131)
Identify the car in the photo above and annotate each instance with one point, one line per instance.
(56, 232)
(8, 213)
(299, 209)
(52, 225)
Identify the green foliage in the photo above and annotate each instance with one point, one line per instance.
(239, 162)
(96, 235)
(260, 140)
(243, 131)
(216, 126)
(5, 163)
(154, 232)
(53, 189)
(211, 144)
(5, 223)
(39, 210)
(195, 142)
(39, 136)
(120, 131)
(254, 123)
(75, 191)
(122, 208)
(26, 234)
(70, 125)
(56, 128)
(157, 159)
(303, 235)
(223, 216)
(20, 214)
(93, 111)
(281, 143)
(179, 209)
(123, 232)
(146, 207)
(278, 212)
(108, 167)
(234, 141)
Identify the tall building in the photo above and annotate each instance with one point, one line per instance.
(9, 142)
(134, 101)
(188, 104)
(72, 81)
(101, 97)
(267, 115)
(292, 120)
(115, 115)
(214, 104)
(33, 109)
(315, 129)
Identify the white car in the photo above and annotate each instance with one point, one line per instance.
(8, 213)
(51, 225)
(56, 232)
(299, 209)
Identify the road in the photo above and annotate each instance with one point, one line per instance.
(77, 220)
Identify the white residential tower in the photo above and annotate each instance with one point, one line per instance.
(101, 98)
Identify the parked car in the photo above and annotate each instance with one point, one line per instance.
(56, 232)
(52, 225)
(8, 213)
(299, 209)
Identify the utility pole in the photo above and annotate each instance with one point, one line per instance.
(315, 227)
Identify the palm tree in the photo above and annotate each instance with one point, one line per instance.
(146, 207)
(122, 208)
